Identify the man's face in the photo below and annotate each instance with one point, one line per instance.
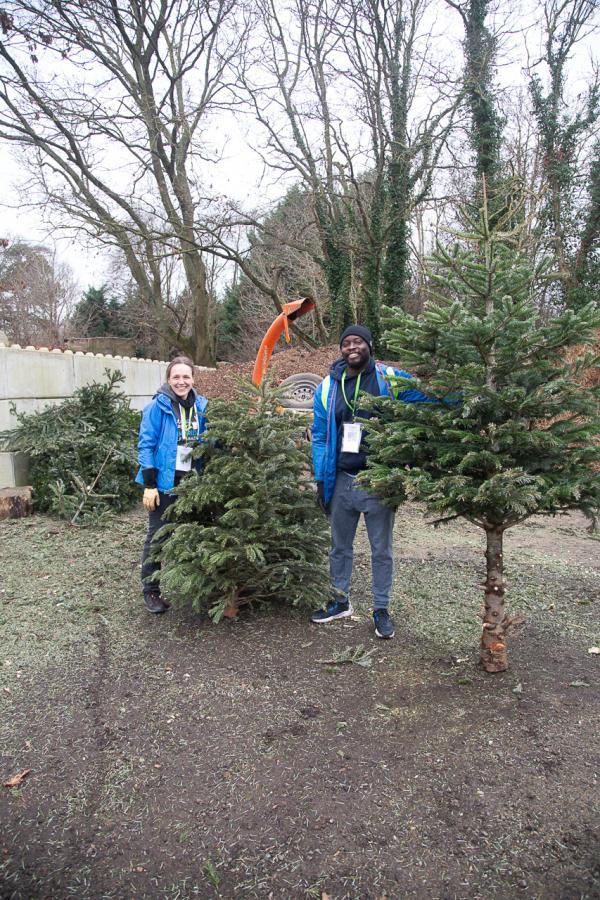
(355, 351)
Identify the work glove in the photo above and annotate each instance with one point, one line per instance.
(151, 499)
(321, 497)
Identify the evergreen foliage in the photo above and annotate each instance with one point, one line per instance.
(229, 322)
(513, 433)
(247, 527)
(97, 315)
(92, 432)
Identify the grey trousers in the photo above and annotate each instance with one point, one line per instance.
(155, 521)
(348, 502)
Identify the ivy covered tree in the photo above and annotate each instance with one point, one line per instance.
(569, 220)
(480, 46)
(514, 432)
(246, 528)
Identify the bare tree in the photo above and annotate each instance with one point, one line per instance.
(337, 112)
(569, 223)
(37, 294)
(117, 139)
(282, 257)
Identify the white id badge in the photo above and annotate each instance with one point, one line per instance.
(184, 458)
(351, 437)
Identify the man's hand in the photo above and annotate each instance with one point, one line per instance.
(151, 499)
(321, 497)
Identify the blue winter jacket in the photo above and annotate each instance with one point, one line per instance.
(157, 442)
(324, 431)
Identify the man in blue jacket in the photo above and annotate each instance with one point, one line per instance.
(339, 454)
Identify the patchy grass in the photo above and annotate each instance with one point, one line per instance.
(550, 571)
(173, 758)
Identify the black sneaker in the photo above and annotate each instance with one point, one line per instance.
(335, 609)
(154, 603)
(384, 624)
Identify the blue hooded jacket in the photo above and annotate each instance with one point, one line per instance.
(157, 442)
(325, 435)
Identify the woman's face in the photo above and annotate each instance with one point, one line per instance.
(181, 379)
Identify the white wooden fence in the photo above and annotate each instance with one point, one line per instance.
(35, 378)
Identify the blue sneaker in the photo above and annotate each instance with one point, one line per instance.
(335, 609)
(384, 624)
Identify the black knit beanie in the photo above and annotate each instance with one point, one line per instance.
(361, 332)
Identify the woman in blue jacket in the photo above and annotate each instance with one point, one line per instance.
(171, 424)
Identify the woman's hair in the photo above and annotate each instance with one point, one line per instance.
(177, 361)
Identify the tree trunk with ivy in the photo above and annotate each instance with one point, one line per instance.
(371, 267)
(396, 265)
(571, 176)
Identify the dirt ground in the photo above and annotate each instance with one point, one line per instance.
(171, 758)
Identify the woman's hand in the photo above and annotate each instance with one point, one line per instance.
(151, 499)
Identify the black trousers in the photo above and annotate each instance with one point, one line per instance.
(155, 522)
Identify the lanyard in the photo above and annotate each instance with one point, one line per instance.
(186, 423)
(351, 406)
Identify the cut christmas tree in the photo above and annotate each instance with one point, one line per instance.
(513, 432)
(81, 452)
(246, 528)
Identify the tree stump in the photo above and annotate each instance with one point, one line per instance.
(16, 502)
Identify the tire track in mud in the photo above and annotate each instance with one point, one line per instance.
(93, 740)
(100, 729)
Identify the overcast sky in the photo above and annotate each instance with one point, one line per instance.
(239, 173)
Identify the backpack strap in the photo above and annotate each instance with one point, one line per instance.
(387, 373)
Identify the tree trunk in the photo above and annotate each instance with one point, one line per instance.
(396, 270)
(337, 273)
(203, 344)
(15, 502)
(493, 651)
(486, 128)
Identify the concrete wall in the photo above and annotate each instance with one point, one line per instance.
(35, 378)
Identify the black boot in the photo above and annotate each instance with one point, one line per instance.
(154, 603)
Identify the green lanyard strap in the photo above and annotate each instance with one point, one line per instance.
(351, 406)
(186, 423)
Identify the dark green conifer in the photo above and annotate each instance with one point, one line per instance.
(82, 459)
(247, 527)
(515, 433)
